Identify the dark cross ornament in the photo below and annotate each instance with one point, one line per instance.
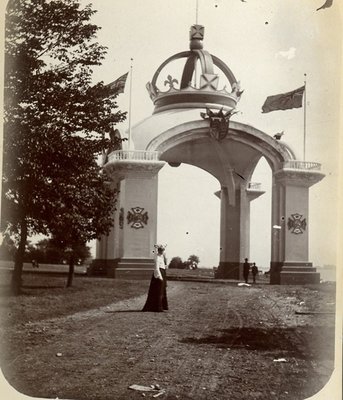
(296, 223)
(209, 81)
(197, 32)
(137, 218)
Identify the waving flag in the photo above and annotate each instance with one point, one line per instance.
(327, 4)
(118, 85)
(284, 101)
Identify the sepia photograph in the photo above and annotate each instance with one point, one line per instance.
(171, 200)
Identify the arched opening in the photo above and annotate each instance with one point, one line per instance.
(189, 214)
(232, 161)
(260, 217)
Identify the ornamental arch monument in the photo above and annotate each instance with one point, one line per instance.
(192, 123)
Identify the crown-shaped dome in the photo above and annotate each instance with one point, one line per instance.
(204, 94)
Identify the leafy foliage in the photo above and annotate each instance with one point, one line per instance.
(191, 263)
(194, 259)
(176, 262)
(55, 124)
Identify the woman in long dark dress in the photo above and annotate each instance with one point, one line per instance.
(157, 295)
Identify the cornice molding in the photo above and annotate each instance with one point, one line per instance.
(121, 169)
(300, 178)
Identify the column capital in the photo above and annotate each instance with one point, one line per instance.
(254, 190)
(298, 177)
(124, 164)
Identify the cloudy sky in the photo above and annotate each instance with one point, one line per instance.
(269, 45)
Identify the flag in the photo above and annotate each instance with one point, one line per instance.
(284, 101)
(118, 85)
(327, 4)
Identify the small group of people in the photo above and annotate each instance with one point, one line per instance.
(157, 295)
(246, 270)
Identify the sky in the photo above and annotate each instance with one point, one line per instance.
(269, 45)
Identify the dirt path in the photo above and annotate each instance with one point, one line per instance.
(216, 342)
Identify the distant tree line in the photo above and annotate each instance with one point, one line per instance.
(191, 263)
(45, 251)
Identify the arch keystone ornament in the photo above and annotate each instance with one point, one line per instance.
(219, 122)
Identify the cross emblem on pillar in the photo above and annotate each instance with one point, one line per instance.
(137, 218)
(296, 223)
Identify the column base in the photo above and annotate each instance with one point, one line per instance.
(122, 268)
(228, 270)
(131, 268)
(293, 273)
(102, 267)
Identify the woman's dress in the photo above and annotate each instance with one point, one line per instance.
(157, 295)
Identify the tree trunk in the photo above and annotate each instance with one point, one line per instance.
(71, 271)
(19, 260)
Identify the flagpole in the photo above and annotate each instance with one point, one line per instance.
(304, 146)
(196, 11)
(130, 101)
(196, 22)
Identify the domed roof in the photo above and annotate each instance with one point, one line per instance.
(204, 94)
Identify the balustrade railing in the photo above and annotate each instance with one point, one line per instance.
(254, 186)
(304, 165)
(134, 155)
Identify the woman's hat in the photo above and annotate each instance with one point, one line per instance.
(160, 246)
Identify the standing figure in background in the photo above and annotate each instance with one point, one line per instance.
(254, 271)
(115, 144)
(246, 268)
(157, 295)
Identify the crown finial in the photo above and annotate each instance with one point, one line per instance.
(206, 91)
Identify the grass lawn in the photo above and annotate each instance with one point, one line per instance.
(45, 296)
(218, 341)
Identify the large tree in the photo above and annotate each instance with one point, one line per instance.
(56, 119)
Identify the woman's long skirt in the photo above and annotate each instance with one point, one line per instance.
(157, 295)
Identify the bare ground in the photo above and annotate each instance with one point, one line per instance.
(217, 341)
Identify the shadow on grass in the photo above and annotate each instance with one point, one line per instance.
(306, 342)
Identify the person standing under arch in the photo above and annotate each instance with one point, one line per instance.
(157, 295)
(254, 271)
(246, 268)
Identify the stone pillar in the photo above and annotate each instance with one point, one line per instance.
(107, 246)
(230, 239)
(290, 227)
(129, 249)
(235, 232)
